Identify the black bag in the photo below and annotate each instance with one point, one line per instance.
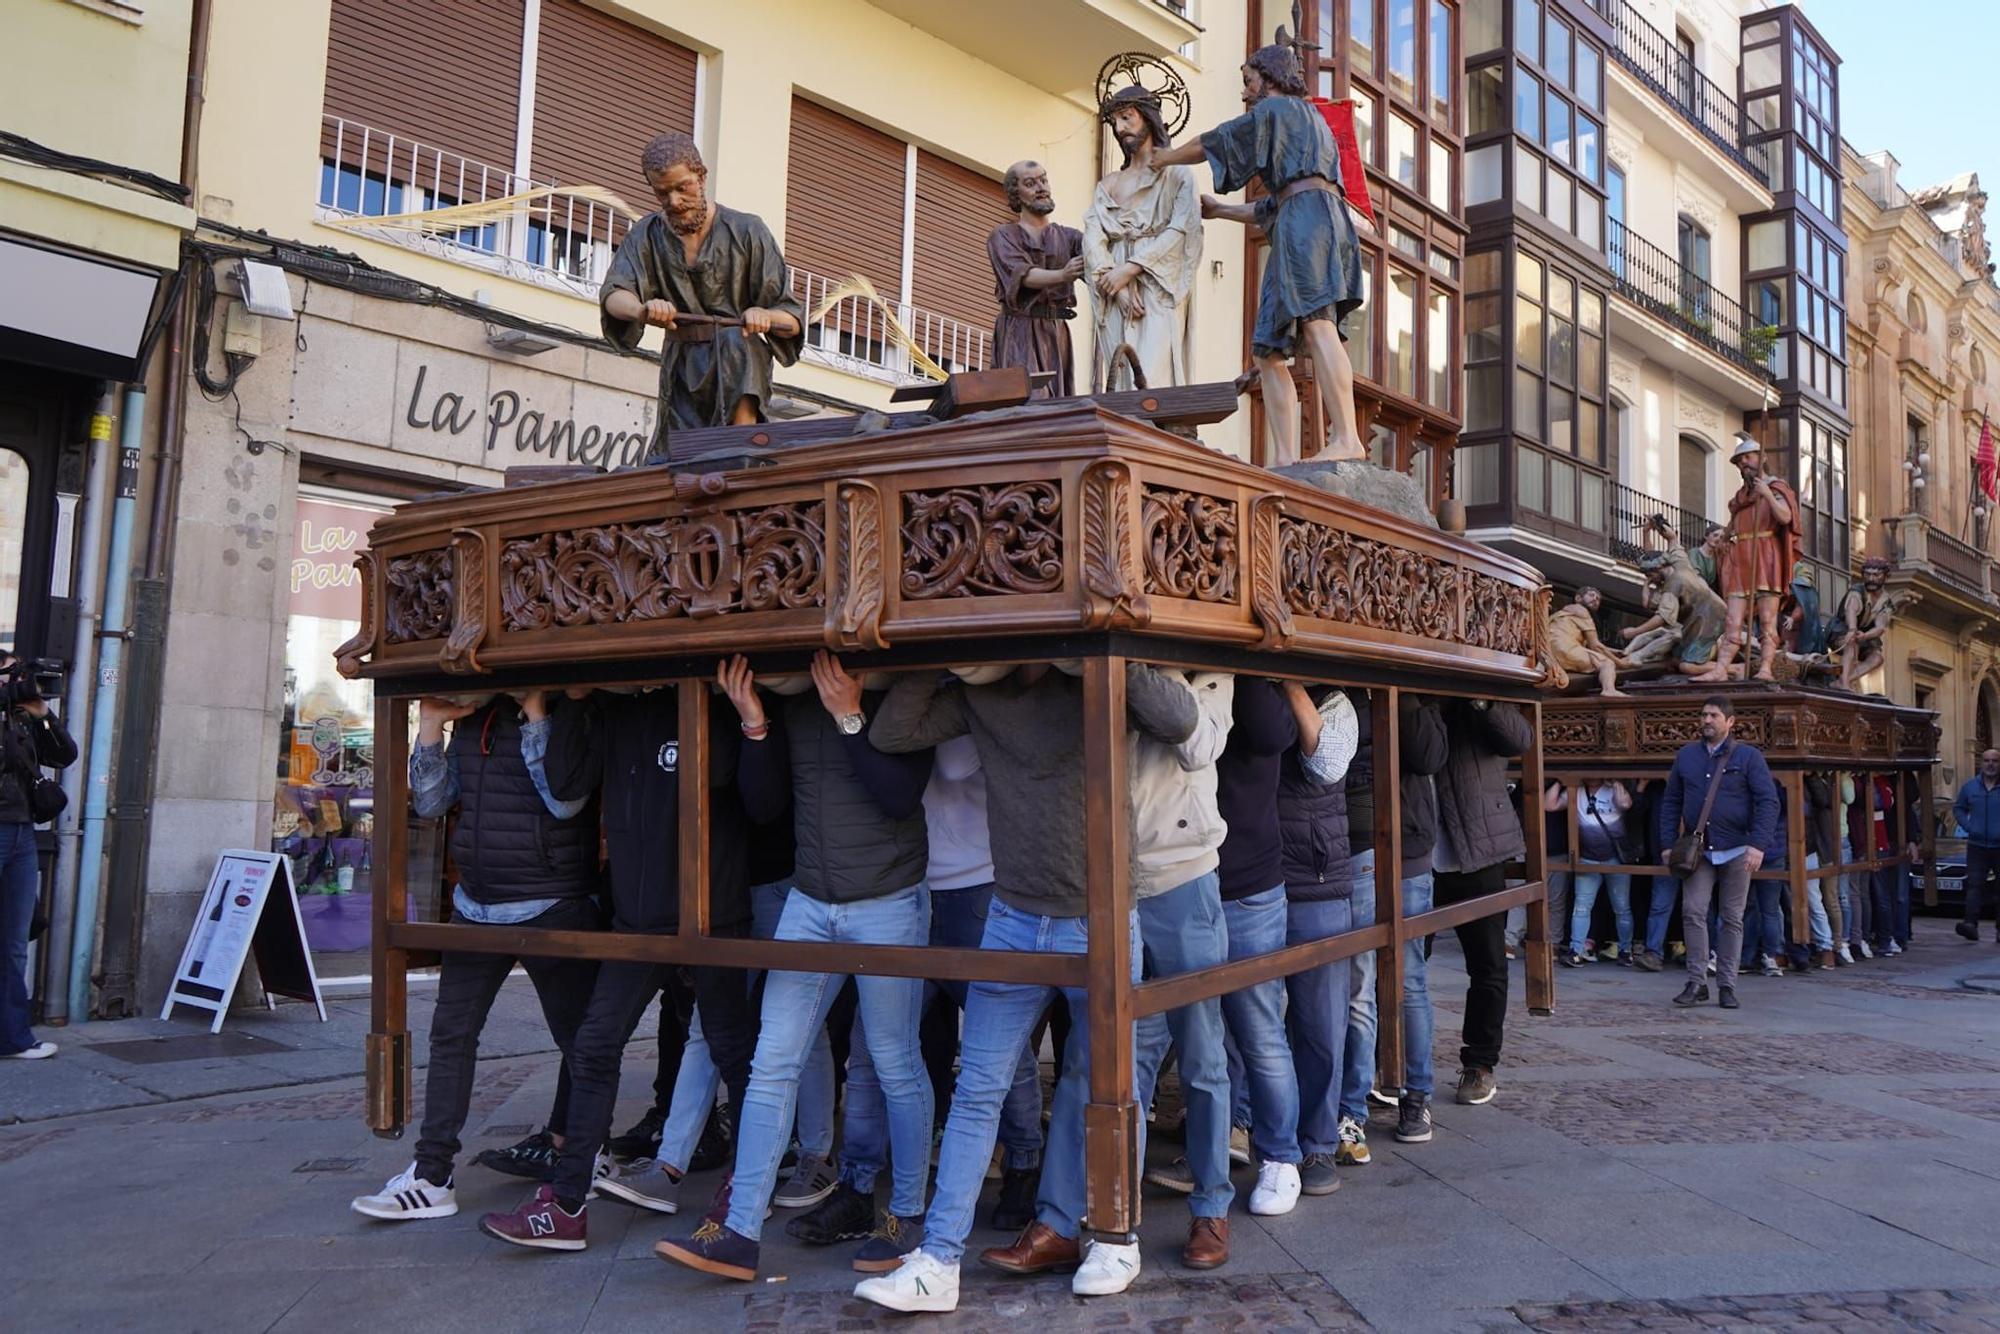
(46, 800)
(1685, 855)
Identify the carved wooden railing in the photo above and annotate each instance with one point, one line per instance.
(1038, 522)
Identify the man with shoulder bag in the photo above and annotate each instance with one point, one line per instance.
(31, 738)
(1719, 853)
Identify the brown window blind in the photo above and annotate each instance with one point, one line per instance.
(603, 89)
(446, 73)
(844, 199)
(957, 210)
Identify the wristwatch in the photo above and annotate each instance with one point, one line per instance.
(851, 724)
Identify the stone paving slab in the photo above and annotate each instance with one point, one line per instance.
(1613, 1113)
(1921, 1309)
(1842, 1054)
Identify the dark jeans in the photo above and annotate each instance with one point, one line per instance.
(1485, 948)
(676, 1006)
(1979, 864)
(1888, 922)
(467, 984)
(20, 882)
(617, 1002)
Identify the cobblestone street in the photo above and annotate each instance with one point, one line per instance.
(1825, 1156)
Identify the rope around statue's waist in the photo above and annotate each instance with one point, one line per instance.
(1764, 532)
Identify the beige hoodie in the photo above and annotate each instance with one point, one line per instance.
(1177, 829)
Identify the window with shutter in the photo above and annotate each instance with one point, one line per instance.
(957, 209)
(590, 126)
(432, 84)
(844, 216)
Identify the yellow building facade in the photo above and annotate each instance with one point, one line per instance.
(1924, 321)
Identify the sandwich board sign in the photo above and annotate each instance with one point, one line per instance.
(250, 909)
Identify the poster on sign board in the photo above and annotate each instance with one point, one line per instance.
(250, 910)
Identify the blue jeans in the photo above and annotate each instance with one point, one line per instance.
(1419, 1018)
(695, 1085)
(1316, 1022)
(1764, 920)
(958, 918)
(1255, 1017)
(1817, 921)
(1666, 891)
(999, 1019)
(20, 882)
(1180, 931)
(1587, 884)
(795, 1007)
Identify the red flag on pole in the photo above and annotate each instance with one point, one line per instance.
(1986, 461)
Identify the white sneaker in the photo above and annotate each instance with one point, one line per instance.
(1862, 945)
(603, 1170)
(408, 1196)
(1846, 955)
(40, 1051)
(1239, 1145)
(1107, 1269)
(1711, 963)
(1277, 1189)
(1386, 1097)
(1891, 950)
(921, 1283)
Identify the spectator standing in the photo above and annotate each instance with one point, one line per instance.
(1977, 810)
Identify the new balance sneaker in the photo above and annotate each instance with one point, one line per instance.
(1353, 1150)
(1015, 1208)
(1317, 1175)
(713, 1249)
(1239, 1145)
(919, 1282)
(533, 1158)
(1475, 1085)
(658, 1190)
(1276, 1191)
(541, 1223)
(1413, 1119)
(811, 1181)
(1176, 1176)
(1108, 1269)
(408, 1196)
(642, 1141)
(892, 1239)
(844, 1215)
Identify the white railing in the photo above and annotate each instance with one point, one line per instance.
(854, 334)
(560, 240)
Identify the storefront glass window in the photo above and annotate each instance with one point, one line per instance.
(13, 530)
(323, 806)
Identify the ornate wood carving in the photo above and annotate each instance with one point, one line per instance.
(981, 541)
(1618, 734)
(468, 628)
(694, 565)
(856, 620)
(1499, 615)
(1579, 734)
(1668, 732)
(1190, 542)
(347, 658)
(1106, 559)
(1267, 601)
(1335, 575)
(419, 597)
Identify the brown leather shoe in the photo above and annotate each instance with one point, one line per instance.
(1040, 1249)
(1207, 1244)
(1827, 959)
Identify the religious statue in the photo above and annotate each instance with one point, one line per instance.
(715, 281)
(1573, 642)
(1687, 616)
(1757, 563)
(1141, 248)
(1035, 267)
(1864, 621)
(1312, 277)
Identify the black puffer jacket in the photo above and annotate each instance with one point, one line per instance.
(507, 846)
(27, 745)
(1478, 815)
(627, 748)
(1421, 725)
(1312, 826)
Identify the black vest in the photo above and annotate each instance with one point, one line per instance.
(507, 846)
(1312, 826)
(848, 850)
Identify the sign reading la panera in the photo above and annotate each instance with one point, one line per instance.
(509, 415)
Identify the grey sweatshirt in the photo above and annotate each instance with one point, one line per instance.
(1030, 739)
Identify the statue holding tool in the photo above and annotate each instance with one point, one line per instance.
(715, 282)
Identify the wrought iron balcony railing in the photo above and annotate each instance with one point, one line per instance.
(1632, 518)
(1656, 281)
(1654, 59)
(854, 334)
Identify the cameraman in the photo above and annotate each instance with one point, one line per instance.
(31, 738)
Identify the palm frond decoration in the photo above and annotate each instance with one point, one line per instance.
(457, 217)
(860, 288)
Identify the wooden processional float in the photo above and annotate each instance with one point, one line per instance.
(1079, 530)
